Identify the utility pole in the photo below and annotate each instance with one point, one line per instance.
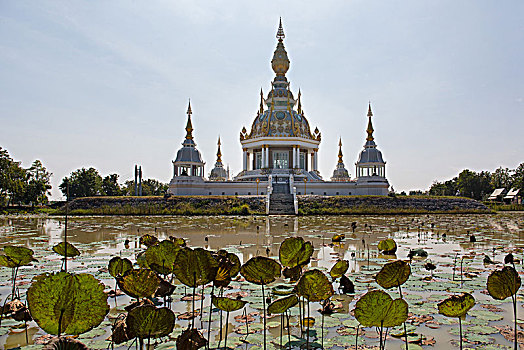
(140, 180)
(136, 178)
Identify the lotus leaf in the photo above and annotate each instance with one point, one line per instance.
(161, 257)
(377, 309)
(60, 249)
(139, 283)
(148, 240)
(179, 242)
(339, 269)
(294, 251)
(282, 305)
(393, 274)
(261, 270)
(387, 246)
(20, 256)
(118, 266)
(150, 322)
(65, 343)
(228, 304)
(314, 286)
(76, 302)
(190, 339)
(228, 267)
(456, 305)
(195, 267)
(503, 283)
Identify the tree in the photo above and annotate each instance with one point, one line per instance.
(13, 179)
(517, 178)
(82, 183)
(473, 185)
(110, 186)
(447, 188)
(501, 178)
(38, 185)
(150, 187)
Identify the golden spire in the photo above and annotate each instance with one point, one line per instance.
(370, 125)
(261, 101)
(219, 153)
(280, 32)
(280, 61)
(340, 150)
(189, 126)
(299, 108)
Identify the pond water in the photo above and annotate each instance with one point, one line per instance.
(446, 238)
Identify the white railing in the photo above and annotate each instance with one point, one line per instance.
(269, 191)
(295, 200)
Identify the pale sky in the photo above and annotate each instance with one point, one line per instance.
(106, 83)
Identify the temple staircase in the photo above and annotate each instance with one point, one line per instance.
(281, 204)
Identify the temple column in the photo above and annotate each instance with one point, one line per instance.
(294, 157)
(312, 161)
(267, 156)
(263, 160)
(315, 159)
(298, 157)
(244, 160)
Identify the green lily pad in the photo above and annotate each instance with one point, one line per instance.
(393, 274)
(314, 286)
(15, 256)
(139, 283)
(118, 266)
(75, 301)
(294, 251)
(161, 257)
(339, 269)
(148, 240)
(228, 304)
(503, 283)
(377, 309)
(261, 270)
(150, 322)
(195, 267)
(282, 305)
(60, 249)
(387, 246)
(456, 305)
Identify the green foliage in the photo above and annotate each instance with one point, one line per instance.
(393, 274)
(377, 309)
(339, 269)
(456, 305)
(474, 185)
(446, 188)
(110, 186)
(228, 304)
(60, 249)
(314, 286)
(195, 267)
(294, 251)
(139, 283)
(261, 270)
(148, 321)
(503, 283)
(67, 303)
(387, 246)
(117, 266)
(161, 257)
(282, 305)
(228, 267)
(82, 183)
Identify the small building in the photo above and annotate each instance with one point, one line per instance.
(497, 195)
(513, 197)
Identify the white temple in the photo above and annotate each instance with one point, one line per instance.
(280, 153)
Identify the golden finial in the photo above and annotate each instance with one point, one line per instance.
(261, 101)
(189, 126)
(340, 150)
(280, 32)
(219, 153)
(370, 125)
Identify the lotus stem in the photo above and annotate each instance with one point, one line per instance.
(514, 300)
(227, 321)
(322, 331)
(460, 332)
(405, 328)
(281, 328)
(202, 303)
(288, 331)
(210, 312)
(308, 320)
(264, 314)
(356, 338)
